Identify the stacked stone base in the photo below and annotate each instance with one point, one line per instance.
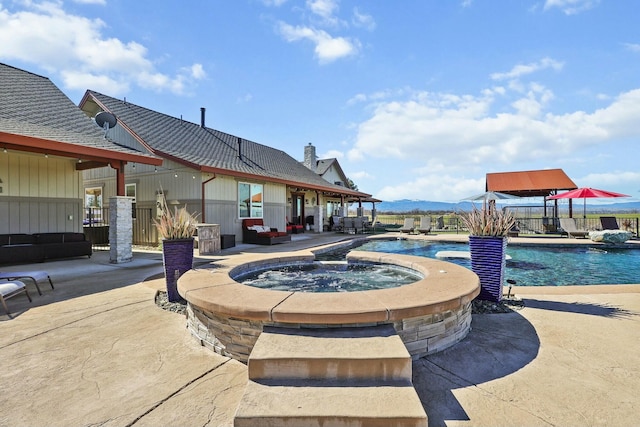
(235, 338)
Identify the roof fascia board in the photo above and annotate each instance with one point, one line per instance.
(63, 149)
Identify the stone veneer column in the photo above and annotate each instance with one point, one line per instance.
(120, 229)
(319, 218)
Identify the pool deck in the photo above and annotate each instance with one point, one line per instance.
(97, 350)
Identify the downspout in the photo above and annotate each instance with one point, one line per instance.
(202, 201)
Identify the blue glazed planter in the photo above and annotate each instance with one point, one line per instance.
(177, 255)
(488, 262)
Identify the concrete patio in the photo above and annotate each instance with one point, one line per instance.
(97, 350)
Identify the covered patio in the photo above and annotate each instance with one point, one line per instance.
(535, 183)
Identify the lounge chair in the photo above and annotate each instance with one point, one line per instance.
(425, 225)
(569, 226)
(408, 226)
(11, 289)
(609, 223)
(37, 276)
(440, 223)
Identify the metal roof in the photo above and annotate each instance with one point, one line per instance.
(535, 183)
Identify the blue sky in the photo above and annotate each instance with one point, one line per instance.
(418, 99)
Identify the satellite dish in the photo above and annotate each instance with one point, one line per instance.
(106, 121)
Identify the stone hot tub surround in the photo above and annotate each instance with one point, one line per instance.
(429, 315)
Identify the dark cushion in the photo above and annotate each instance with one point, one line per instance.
(44, 238)
(74, 237)
(4, 239)
(22, 239)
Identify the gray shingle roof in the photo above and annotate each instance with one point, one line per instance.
(31, 105)
(210, 148)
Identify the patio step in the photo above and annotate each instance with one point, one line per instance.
(375, 353)
(333, 376)
(304, 405)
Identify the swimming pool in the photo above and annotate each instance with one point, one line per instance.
(534, 265)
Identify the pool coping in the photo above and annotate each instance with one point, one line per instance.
(213, 290)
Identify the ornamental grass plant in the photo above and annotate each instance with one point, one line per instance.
(491, 222)
(179, 224)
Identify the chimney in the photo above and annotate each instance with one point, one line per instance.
(202, 110)
(310, 157)
(240, 148)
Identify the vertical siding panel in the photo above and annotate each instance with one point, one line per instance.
(23, 177)
(34, 217)
(13, 169)
(14, 217)
(4, 216)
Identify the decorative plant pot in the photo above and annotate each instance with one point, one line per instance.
(177, 255)
(488, 262)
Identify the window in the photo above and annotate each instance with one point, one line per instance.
(249, 200)
(93, 197)
(130, 191)
(92, 205)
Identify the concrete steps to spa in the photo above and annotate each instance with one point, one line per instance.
(341, 376)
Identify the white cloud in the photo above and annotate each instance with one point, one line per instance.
(445, 187)
(360, 175)
(633, 47)
(332, 154)
(99, 2)
(244, 98)
(453, 134)
(327, 48)
(276, 3)
(571, 7)
(524, 69)
(606, 181)
(323, 8)
(75, 48)
(197, 71)
(362, 20)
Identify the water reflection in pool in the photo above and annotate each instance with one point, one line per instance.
(533, 265)
(329, 277)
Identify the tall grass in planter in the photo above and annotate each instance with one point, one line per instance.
(488, 231)
(177, 229)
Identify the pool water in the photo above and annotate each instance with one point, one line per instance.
(534, 265)
(335, 277)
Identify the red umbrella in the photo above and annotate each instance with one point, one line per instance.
(585, 193)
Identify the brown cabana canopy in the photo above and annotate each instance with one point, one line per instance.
(536, 183)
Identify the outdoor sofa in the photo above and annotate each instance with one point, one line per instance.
(255, 232)
(28, 248)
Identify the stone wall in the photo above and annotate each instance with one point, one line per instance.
(235, 338)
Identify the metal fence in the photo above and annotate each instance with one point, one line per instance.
(526, 225)
(96, 227)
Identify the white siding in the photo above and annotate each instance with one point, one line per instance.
(332, 176)
(39, 194)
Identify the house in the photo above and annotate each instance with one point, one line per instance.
(222, 177)
(46, 143)
(331, 171)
